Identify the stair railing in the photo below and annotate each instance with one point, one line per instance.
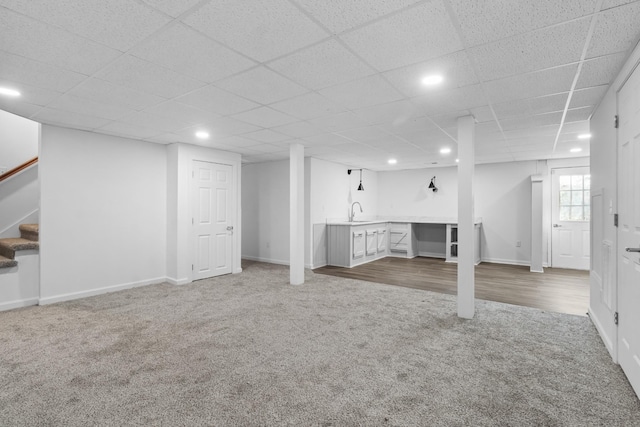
(18, 169)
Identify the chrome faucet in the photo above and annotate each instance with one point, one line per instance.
(352, 213)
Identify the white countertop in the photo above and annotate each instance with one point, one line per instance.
(403, 219)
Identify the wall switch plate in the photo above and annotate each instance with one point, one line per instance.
(518, 244)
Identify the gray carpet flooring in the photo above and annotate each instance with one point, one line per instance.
(250, 349)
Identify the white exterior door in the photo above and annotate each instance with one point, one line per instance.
(571, 212)
(212, 219)
(629, 230)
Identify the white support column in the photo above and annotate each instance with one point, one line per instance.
(466, 234)
(296, 214)
(536, 224)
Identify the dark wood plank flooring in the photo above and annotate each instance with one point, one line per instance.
(558, 290)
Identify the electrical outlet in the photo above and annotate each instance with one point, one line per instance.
(518, 244)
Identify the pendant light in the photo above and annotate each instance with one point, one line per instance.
(360, 187)
(432, 185)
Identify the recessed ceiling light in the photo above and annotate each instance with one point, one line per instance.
(576, 150)
(445, 150)
(584, 136)
(9, 92)
(457, 160)
(202, 134)
(392, 161)
(431, 80)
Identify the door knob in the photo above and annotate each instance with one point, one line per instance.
(230, 227)
(632, 249)
(556, 225)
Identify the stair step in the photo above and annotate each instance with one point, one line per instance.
(30, 232)
(7, 263)
(8, 247)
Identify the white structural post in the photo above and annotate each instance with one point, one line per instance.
(466, 226)
(296, 214)
(536, 224)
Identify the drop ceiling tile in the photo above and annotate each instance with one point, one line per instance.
(608, 4)
(308, 106)
(391, 112)
(482, 114)
(104, 92)
(326, 140)
(365, 134)
(579, 114)
(338, 122)
(588, 96)
(576, 127)
(90, 107)
(221, 127)
(414, 35)
(339, 15)
(417, 124)
(484, 21)
(66, 119)
(299, 129)
(261, 85)
(362, 93)
(322, 65)
(455, 69)
(128, 130)
(260, 30)
(451, 100)
(119, 24)
(142, 75)
(183, 50)
(266, 135)
(600, 71)
(19, 107)
(267, 148)
(217, 101)
(530, 51)
(616, 30)
(161, 124)
(23, 70)
(548, 104)
(265, 117)
(31, 94)
(238, 141)
(530, 85)
(183, 112)
(172, 7)
(36, 40)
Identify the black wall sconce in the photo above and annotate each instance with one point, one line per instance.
(432, 185)
(360, 187)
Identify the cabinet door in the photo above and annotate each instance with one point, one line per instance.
(398, 238)
(358, 244)
(372, 242)
(382, 240)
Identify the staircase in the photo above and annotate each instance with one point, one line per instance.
(20, 269)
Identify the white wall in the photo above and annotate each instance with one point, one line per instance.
(103, 213)
(18, 140)
(265, 212)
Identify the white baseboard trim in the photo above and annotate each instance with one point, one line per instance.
(177, 282)
(432, 255)
(100, 291)
(537, 271)
(603, 335)
(506, 261)
(18, 304)
(269, 260)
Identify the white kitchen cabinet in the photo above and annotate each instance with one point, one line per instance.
(402, 240)
(382, 240)
(452, 243)
(372, 242)
(358, 244)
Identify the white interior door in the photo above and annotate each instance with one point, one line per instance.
(212, 219)
(571, 212)
(629, 229)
